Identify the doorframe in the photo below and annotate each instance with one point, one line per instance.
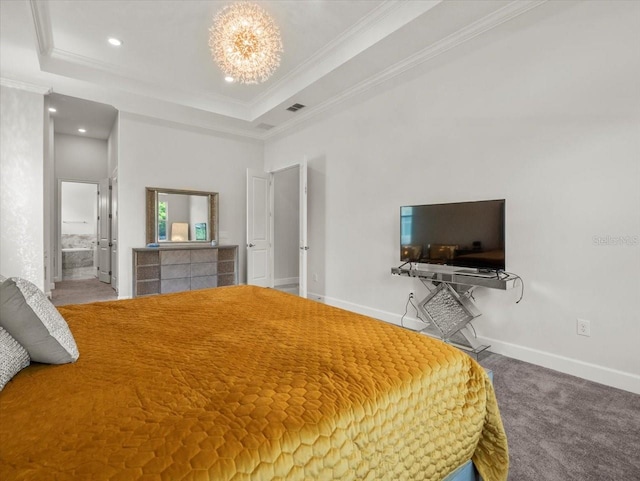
(58, 274)
(113, 231)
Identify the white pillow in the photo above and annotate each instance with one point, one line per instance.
(13, 358)
(28, 315)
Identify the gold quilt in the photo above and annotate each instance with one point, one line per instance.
(245, 383)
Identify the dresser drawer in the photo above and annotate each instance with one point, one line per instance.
(145, 288)
(204, 269)
(204, 282)
(175, 257)
(226, 267)
(145, 273)
(198, 256)
(175, 271)
(174, 268)
(148, 258)
(175, 285)
(227, 254)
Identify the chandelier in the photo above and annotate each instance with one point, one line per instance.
(245, 43)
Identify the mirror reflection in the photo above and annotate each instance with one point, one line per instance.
(181, 216)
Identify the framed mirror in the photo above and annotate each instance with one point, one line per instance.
(181, 216)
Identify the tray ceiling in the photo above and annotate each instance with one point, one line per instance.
(332, 49)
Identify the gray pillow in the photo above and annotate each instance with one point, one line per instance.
(28, 315)
(13, 358)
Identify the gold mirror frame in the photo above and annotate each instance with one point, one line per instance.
(152, 215)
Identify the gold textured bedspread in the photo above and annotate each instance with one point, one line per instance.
(245, 383)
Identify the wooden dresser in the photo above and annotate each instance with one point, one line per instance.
(173, 269)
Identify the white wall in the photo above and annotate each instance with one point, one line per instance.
(79, 208)
(543, 111)
(112, 149)
(286, 213)
(22, 185)
(159, 154)
(81, 158)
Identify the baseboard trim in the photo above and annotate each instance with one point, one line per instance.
(584, 370)
(409, 322)
(285, 281)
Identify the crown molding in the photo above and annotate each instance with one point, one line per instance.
(488, 22)
(370, 29)
(50, 58)
(42, 24)
(90, 63)
(376, 15)
(192, 127)
(26, 86)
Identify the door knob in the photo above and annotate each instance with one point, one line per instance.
(251, 245)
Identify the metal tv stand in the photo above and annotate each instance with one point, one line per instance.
(448, 308)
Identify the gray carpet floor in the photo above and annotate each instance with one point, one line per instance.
(563, 428)
(81, 292)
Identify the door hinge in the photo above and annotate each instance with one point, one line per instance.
(110, 216)
(110, 244)
(109, 272)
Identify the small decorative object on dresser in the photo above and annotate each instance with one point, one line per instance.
(174, 269)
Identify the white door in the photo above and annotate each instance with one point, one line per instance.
(304, 248)
(258, 227)
(104, 236)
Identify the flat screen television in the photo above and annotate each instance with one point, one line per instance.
(460, 234)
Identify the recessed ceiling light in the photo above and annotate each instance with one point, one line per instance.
(52, 110)
(228, 79)
(82, 131)
(115, 42)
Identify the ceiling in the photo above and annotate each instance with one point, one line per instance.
(72, 114)
(333, 49)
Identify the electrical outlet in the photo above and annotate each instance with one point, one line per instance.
(315, 277)
(583, 327)
(411, 295)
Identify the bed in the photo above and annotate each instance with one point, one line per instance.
(246, 383)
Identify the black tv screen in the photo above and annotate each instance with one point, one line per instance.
(461, 234)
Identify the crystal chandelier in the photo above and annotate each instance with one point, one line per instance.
(245, 42)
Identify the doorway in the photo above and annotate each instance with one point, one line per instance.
(286, 228)
(78, 229)
(291, 231)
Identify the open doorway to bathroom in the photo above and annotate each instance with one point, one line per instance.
(83, 152)
(78, 229)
